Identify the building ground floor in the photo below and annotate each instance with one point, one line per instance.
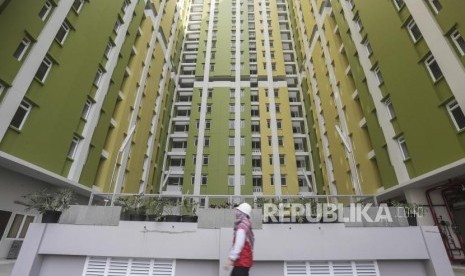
(283, 247)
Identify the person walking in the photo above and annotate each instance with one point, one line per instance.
(241, 254)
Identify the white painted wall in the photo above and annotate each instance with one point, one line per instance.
(274, 243)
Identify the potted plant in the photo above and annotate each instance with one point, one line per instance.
(171, 210)
(49, 204)
(137, 207)
(125, 203)
(189, 206)
(154, 208)
(410, 210)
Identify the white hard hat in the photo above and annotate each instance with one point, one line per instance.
(245, 208)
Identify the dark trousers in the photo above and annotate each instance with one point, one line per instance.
(240, 271)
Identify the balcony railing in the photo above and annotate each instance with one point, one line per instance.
(231, 200)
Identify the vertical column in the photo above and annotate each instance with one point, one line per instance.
(203, 105)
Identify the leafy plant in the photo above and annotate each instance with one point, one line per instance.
(137, 203)
(189, 207)
(154, 207)
(170, 208)
(45, 200)
(124, 202)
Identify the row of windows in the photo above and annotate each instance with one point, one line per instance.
(257, 182)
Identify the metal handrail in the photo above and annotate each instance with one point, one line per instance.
(104, 198)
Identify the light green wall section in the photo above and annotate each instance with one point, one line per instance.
(411, 89)
(58, 103)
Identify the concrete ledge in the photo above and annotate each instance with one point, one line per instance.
(224, 218)
(91, 215)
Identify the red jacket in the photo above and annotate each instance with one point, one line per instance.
(246, 257)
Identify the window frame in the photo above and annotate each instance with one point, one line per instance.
(26, 44)
(455, 36)
(410, 25)
(434, 7)
(430, 60)
(49, 63)
(73, 149)
(396, 4)
(378, 75)
(87, 107)
(98, 76)
(49, 7)
(20, 230)
(390, 108)
(78, 9)
(403, 148)
(66, 27)
(451, 107)
(28, 109)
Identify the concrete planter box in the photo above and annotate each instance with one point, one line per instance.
(91, 215)
(224, 218)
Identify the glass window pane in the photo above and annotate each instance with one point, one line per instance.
(14, 229)
(27, 222)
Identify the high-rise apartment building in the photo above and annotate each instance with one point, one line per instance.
(235, 97)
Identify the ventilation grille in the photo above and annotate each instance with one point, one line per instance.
(106, 266)
(340, 268)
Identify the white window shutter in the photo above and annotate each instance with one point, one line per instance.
(95, 266)
(296, 268)
(342, 268)
(320, 269)
(163, 268)
(366, 268)
(336, 268)
(103, 266)
(118, 267)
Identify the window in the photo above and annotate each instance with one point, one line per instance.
(378, 75)
(118, 24)
(77, 5)
(98, 76)
(45, 11)
(20, 116)
(19, 226)
(206, 142)
(433, 68)
(231, 160)
(403, 147)
(2, 88)
(205, 160)
(204, 179)
(413, 30)
(86, 110)
(390, 108)
(458, 41)
(108, 49)
(283, 180)
(44, 69)
(231, 180)
(436, 5)
(231, 142)
(207, 124)
(62, 33)
(281, 159)
(368, 47)
(192, 179)
(22, 48)
(279, 124)
(231, 108)
(358, 23)
(456, 114)
(126, 4)
(73, 148)
(280, 141)
(399, 4)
